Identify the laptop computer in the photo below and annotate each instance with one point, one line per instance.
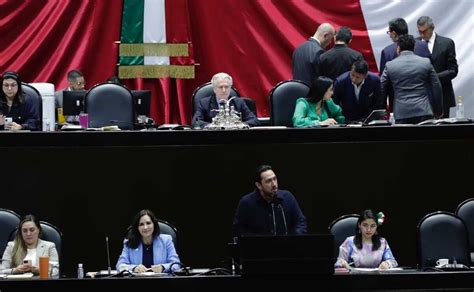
(376, 118)
(286, 255)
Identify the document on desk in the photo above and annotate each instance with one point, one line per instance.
(149, 274)
(20, 276)
(371, 270)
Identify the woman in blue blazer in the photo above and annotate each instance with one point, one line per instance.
(145, 249)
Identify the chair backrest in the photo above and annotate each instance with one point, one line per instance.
(9, 221)
(110, 104)
(206, 90)
(165, 228)
(465, 211)
(342, 228)
(35, 95)
(442, 235)
(283, 98)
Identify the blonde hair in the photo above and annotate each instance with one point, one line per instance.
(19, 246)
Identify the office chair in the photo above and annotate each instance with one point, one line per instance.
(9, 221)
(165, 228)
(206, 90)
(465, 211)
(342, 228)
(283, 98)
(34, 94)
(442, 235)
(110, 104)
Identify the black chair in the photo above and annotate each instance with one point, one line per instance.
(9, 221)
(283, 98)
(442, 235)
(465, 211)
(342, 228)
(110, 104)
(165, 228)
(35, 95)
(206, 90)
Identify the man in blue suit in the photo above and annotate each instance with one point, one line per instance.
(358, 92)
(205, 110)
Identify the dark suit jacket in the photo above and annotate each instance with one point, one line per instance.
(204, 111)
(390, 52)
(306, 61)
(370, 96)
(338, 60)
(444, 62)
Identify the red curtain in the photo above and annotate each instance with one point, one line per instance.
(252, 40)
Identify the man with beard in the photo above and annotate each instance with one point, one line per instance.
(268, 210)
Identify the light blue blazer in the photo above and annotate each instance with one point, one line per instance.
(164, 254)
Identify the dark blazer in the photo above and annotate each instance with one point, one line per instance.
(338, 60)
(444, 62)
(370, 96)
(306, 61)
(204, 111)
(390, 52)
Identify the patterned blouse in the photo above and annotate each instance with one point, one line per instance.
(365, 257)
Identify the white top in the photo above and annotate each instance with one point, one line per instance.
(431, 42)
(357, 88)
(31, 256)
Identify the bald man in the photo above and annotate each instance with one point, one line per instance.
(306, 56)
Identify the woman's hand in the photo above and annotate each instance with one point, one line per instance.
(158, 268)
(13, 127)
(140, 269)
(385, 265)
(328, 122)
(345, 264)
(23, 268)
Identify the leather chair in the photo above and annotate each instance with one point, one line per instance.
(9, 221)
(283, 98)
(465, 211)
(35, 95)
(342, 228)
(442, 235)
(206, 90)
(110, 104)
(165, 228)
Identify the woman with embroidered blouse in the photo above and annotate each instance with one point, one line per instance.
(367, 249)
(318, 108)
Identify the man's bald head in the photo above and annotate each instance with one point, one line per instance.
(325, 34)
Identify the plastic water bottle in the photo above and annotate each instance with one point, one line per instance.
(459, 108)
(391, 119)
(80, 271)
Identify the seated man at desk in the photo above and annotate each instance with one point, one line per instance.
(75, 81)
(205, 110)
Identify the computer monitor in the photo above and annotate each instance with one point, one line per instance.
(376, 115)
(142, 102)
(310, 254)
(73, 102)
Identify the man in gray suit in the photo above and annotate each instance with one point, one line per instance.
(443, 56)
(411, 76)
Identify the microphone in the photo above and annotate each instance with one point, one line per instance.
(284, 218)
(109, 270)
(274, 222)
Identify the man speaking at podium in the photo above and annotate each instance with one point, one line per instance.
(268, 210)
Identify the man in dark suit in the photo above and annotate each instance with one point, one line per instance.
(340, 58)
(221, 84)
(358, 92)
(443, 57)
(412, 77)
(306, 56)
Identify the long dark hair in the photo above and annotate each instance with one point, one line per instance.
(133, 235)
(367, 214)
(19, 98)
(318, 88)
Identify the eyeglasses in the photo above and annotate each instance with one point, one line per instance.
(13, 85)
(388, 32)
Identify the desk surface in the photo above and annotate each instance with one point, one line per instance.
(461, 281)
(251, 136)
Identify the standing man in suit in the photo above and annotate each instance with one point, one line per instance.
(306, 57)
(340, 58)
(358, 92)
(411, 76)
(221, 84)
(443, 56)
